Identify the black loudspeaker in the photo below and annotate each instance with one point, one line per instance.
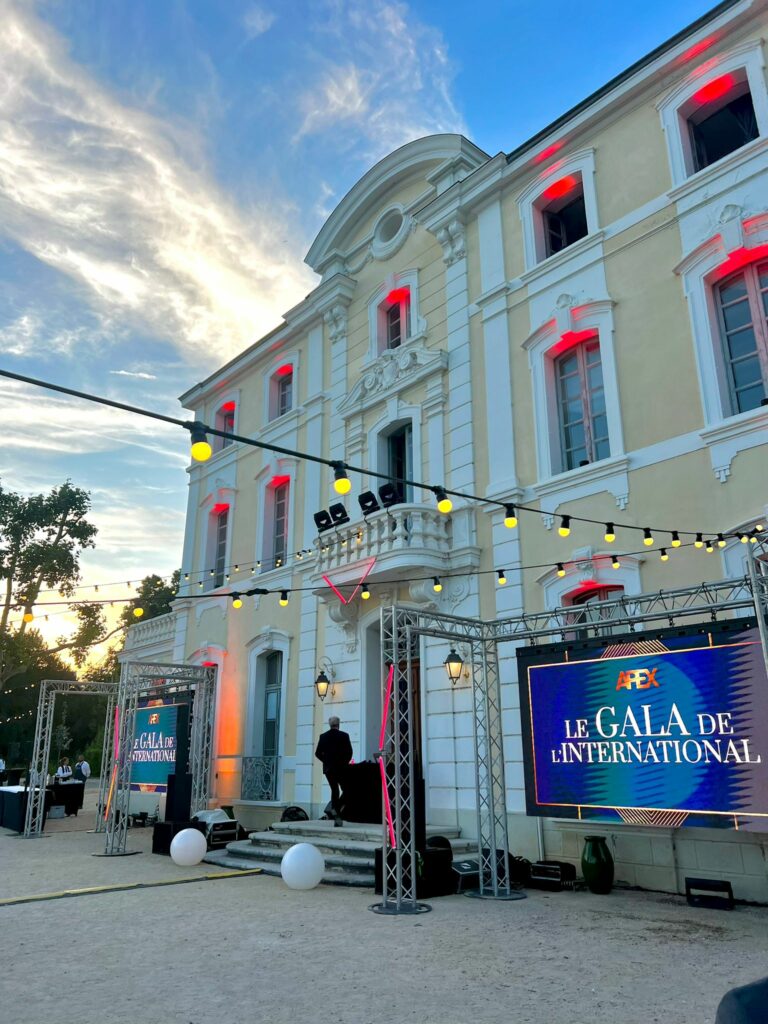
(436, 876)
(178, 797)
(164, 831)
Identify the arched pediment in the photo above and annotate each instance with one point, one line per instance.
(440, 160)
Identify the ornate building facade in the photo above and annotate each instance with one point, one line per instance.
(581, 324)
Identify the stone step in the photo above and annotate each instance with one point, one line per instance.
(353, 829)
(339, 843)
(333, 861)
(226, 860)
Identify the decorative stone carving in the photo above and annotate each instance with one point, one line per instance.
(451, 237)
(455, 590)
(336, 321)
(394, 370)
(346, 616)
(422, 593)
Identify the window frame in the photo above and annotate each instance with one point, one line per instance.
(580, 350)
(403, 305)
(547, 213)
(278, 534)
(415, 324)
(758, 322)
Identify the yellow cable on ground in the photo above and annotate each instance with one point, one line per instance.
(96, 889)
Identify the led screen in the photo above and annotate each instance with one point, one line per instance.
(154, 747)
(666, 728)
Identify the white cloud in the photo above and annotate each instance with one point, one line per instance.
(101, 192)
(387, 83)
(134, 373)
(257, 21)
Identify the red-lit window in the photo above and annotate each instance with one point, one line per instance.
(225, 420)
(220, 547)
(563, 213)
(394, 319)
(591, 607)
(722, 120)
(281, 392)
(581, 405)
(279, 525)
(742, 301)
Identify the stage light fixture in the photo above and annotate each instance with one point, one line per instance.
(390, 495)
(323, 520)
(610, 533)
(339, 514)
(510, 517)
(565, 526)
(341, 482)
(444, 503)
(676, 542)
(368, 503)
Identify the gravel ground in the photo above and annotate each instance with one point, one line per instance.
(249, 949)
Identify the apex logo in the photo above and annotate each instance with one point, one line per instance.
(154, 718)
(640, 678)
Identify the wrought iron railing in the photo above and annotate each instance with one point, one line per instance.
(259, 778)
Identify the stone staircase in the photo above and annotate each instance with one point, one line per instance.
(349, 851)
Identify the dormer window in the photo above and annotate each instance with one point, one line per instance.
(720, 118)
(281, 392)
(395, 319)
(563, 213)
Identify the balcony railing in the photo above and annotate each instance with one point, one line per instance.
(152, 633)
(259, 778)
(405, 535)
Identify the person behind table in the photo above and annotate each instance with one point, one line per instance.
(64, 772)
(82, 770)
(334, 749)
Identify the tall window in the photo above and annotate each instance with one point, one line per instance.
(400, 458)
(590, 608)
(564, 214)
(225, 420)
(722, 121)
(279, 524)
(220, 548)
(273, 665)
(394, 319)
(743, 306)
(581, 405)
(281, 392)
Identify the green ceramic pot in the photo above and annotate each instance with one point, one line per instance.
(597, 865)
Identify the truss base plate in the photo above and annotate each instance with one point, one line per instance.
(392, 909)
(513, 894)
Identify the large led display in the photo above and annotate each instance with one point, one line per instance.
(666, 728)
(154, 747)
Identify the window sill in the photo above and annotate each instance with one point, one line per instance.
(736, 434)
(562, 258)
(708, 175)
(281, 423)
(607, 475)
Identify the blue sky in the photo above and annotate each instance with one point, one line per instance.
(165, 165)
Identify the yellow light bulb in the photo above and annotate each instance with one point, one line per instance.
(444, 505)
(560, 569)
(365, 594)
(283, 598)
(565, 526)
(510, 519)
(502, 578)
(616, 563)
(437, 586)
(342, 485)
(237, 603)
(138, 612)
(29, 617)
(201, 451)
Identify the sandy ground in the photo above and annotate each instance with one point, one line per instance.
(249, 949)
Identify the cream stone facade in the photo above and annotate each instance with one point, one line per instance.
(432, 348)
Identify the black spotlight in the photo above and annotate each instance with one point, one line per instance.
(368, 503)
(390, 495)
(339, 514)
(323, 521)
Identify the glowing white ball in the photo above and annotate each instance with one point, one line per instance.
(302, 866)
(188, 847)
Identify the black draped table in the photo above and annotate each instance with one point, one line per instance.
(13, 807)
(69, 794)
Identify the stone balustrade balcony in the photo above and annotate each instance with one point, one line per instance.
(405, 540)
(151, 639)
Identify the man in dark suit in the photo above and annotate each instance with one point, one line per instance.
(334, 750)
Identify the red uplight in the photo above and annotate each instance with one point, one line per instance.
(283, 371)
(570, 338)
(397, 295)
(715, 89)
(209, 664)
(221, 507)
(562, 187)
(550, 151)
(697, 49)
(228, 407)
(741, 258)
(278, 481)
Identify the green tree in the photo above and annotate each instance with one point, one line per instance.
(154, 597)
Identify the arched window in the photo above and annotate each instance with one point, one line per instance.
(564, 214)
(742, 303)
(225, 420)
(581, 405)
(720, 118)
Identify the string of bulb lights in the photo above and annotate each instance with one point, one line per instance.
(201, 450)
